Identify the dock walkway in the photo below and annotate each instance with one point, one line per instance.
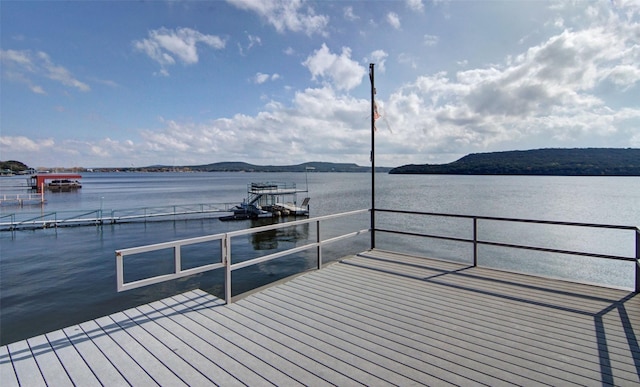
(374, 319)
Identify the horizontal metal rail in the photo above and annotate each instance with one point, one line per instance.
(225, 252)
(552, 222)
(477, 242)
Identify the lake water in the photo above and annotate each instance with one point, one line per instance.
(51, 278)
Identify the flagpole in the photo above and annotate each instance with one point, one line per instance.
(373, 160)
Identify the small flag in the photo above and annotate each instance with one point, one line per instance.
(376, 115)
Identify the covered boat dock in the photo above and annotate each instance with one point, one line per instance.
(39, 181)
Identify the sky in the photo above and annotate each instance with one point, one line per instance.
(272, 82)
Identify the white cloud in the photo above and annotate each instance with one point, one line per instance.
(17, 144)
(549, 92)
(415, 5)
(167, 46)
(22, 58)
(379, 57)
(344, 72)
(286, 15)
(60, 74)
(37, 89)
(430, 40)
(571, 89)
(394, 20)
(320, 124)
(261, 78)
(21, 65)
(349, 15)
(407, 59)
(253, 41)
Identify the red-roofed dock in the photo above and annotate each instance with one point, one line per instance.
(39, 181)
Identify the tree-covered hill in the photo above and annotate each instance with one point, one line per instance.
(553, 161)
(13, 166)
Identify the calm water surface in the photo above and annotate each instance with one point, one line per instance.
(57, 277)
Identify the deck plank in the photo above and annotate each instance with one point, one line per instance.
(366, 353)
(530, 314)
(73, 363)
(379, 318)
(386, 327)
(359, 353)
(317, 356)
(382, 342)
(203, 347)
(458, 318)
(617, 357)
(8, 375)
(247, 339)
(100, 365)
(25, 365)
(297, 363)
(155, 347)
(52, 370)
(203, 361)
(125, 353)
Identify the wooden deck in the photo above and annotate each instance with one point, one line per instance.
(374, 319)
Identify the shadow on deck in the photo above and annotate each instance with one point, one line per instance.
(378, 318)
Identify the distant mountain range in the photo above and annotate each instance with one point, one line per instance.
(227, 166)
(553, 161)
(246, 167)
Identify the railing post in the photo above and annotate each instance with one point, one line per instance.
(637, 260)
(319, 248)
(475, 241)
(177, 259)
(119, 271)
(226, 257)
(373, 157)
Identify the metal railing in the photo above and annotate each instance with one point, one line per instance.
(225, 250)
(476, 241)
(22, 199)
(163, 211)
(226, 246)
(100, 216)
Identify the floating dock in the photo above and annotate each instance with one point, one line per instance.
(378, 318)
(53, 219)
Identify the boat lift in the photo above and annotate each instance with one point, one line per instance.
(272, 199)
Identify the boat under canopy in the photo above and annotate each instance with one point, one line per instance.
(270, 200)
(55, 181)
